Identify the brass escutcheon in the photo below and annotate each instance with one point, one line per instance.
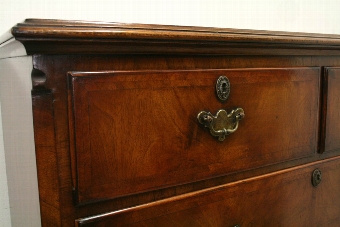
(222, 88)
(316, 177)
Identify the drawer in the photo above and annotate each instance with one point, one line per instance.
(138, 131)
(332, 85)
(284, 198)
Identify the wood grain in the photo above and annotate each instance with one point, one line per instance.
(332, 137)
(124, 143)
(46, 158)
(138, 131)
(61, 37)
(56, 68)
(284, 198)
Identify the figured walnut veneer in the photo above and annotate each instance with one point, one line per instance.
(118, 142)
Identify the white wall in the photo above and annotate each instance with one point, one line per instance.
(4, 203)
(17, 125)
(285, 15)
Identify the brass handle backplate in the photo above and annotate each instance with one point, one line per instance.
(223, 123)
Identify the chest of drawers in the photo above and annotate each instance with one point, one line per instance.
(145, 125)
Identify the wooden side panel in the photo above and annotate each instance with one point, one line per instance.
(137, 131)
(48, 179)
(332, 136)
(284, 198)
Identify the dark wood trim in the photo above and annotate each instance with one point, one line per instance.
(147, 213)
(323, 108)
(46, 156)
(68, 172)
(61, 37)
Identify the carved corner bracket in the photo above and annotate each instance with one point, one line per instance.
(38, 82)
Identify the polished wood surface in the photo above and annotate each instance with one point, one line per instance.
(332, 138)
(137, 131)
(284, 198)
(118, 142)
(57, 80)
(60, 37)
(46, 158)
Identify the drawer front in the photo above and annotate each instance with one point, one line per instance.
(285, 198)
(332, 136)
(138, 131)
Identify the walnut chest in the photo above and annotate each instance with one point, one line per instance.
(149, 125)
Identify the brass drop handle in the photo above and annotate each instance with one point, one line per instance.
(223, 123)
